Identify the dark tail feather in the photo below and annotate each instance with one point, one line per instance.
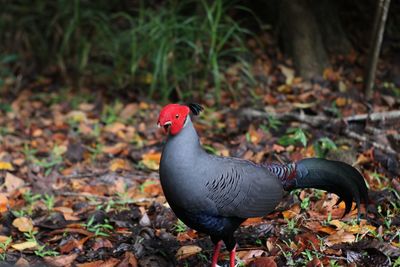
(333, 176)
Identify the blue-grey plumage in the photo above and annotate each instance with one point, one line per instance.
(215, 195)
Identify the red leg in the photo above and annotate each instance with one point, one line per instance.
(217, 248)
(232, 256)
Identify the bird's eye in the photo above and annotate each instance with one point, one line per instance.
(177, 116)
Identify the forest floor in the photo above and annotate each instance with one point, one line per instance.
(80, 184)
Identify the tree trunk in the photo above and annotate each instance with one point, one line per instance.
(302, 38)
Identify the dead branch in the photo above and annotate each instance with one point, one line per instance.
(362, 138)
(376, 116)
(376, 42)
(319, 120)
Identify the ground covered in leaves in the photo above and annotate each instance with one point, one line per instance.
(80, 185)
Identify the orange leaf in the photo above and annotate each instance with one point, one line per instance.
(151, 160)
(119, 164)
(3, 203)
(292, 212)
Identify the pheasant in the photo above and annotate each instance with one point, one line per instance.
(214, 194)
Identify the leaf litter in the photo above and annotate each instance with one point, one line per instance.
(80, 187)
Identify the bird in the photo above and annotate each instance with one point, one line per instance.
(215, 195)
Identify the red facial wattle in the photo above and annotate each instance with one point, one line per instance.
(172, 118)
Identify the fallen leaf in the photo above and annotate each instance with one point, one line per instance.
(24, 224)
(151, 160)
(340, 236)
(12, 182)
(341, 101)
(119, 164)
(129, 111)
(7, 166)
(60, 261)
(24, 245)
(111, 262)
(278, 148)
(115, 149)
(187, 251)
(3, 202)
(73, 244)
(292, 212)
(101, 243)
(115, 127)
(77, 116)
(22, 262)
(128, 261)
(263, 262)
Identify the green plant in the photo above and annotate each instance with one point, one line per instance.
(3, 247)
(323, 145)
(100, 229)
(305, 203)
(293, 136)
(41, 251)
(48, 200)
(30, 198)
(157, 49)
(52, 161)
(291, 226)
(179, 227)
(397, 262)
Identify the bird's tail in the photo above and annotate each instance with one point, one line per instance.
(333, 176)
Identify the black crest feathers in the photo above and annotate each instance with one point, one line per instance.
(195, 108)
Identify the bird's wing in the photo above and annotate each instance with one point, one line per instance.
(242, 189)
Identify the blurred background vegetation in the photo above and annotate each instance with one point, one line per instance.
(173, 49)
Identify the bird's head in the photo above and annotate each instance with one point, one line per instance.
(172, 117)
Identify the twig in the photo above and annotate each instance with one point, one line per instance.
(87, 195)
(315, 121)
(318, 121)
(83, 175)
(376, 42)
(361, 138)
(377, 116)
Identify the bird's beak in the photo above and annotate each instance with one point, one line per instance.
(166, 126)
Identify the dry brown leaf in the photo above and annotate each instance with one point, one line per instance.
(7, 166)
(292, 212)
(263, 262)
(24, 224)
(128, 261)
(115, 149)
(115, 127)
(22, 262)
(12, 182)
(24, 245)
(129, 111)
(187, 251)
(72, 244)
(340, 236)
(61, 261)
(111, 262)
(278, 148)
(151, 160)
(3, 202)
(101, 243)
(119, 164)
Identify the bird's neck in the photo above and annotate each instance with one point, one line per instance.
(185, 143)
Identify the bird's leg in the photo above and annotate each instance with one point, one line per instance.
(217, 248)
(232, 256)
